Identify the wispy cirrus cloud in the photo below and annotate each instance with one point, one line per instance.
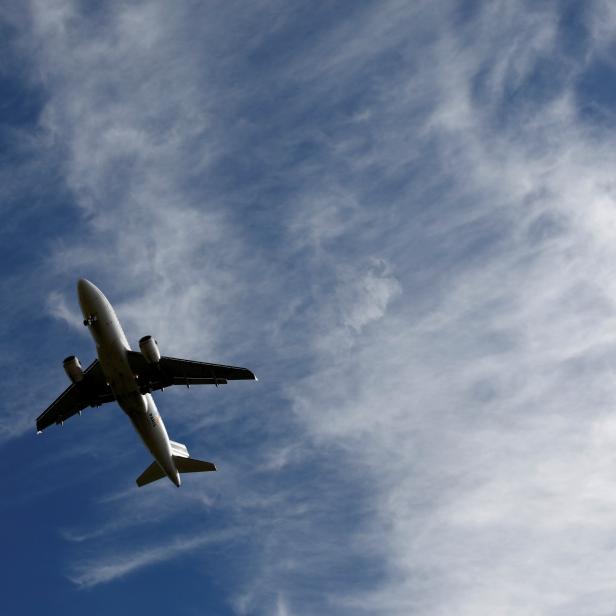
(406, 221)
(92, 573)
(504, 370)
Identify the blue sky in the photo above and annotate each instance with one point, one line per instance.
(401, 216)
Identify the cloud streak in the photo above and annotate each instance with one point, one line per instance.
(92, 573)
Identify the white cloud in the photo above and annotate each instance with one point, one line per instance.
(133, 130)
(478, 419)
(59, 308)
(92, 573)
(368, 297)
(281, 607)
(443, 288)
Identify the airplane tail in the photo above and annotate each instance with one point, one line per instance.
(183, 463)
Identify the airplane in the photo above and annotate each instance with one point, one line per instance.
(129, 377)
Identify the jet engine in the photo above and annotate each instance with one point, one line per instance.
(149, 349)
(73, 369)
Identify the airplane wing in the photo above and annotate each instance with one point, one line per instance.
(91, 391)
(171, 371)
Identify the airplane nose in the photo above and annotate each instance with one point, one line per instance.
(86, 291)
(82, 285)
(87, 294)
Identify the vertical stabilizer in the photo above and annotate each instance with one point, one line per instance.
(178, 449)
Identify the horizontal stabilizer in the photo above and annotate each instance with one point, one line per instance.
(153, 473)
(183, 464)
(190, 465)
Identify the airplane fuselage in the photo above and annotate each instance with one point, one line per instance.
(112, 347)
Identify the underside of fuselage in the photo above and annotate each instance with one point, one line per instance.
(112, 347)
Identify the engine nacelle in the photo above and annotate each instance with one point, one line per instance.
(73, 369)
(149, 349)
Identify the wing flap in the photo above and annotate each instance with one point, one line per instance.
(182, 380)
